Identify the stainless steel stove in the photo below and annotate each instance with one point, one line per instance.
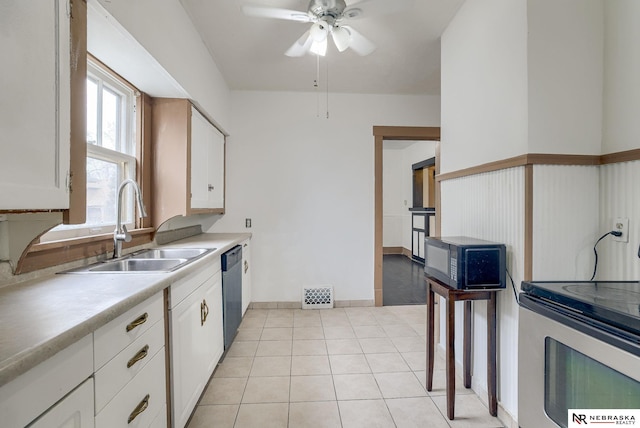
(579, 348)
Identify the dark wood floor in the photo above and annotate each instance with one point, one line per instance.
(402, 281)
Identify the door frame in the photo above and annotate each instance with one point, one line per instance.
(396, 133)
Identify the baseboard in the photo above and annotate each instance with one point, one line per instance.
(392, 250)
(397, 250)
(298, 305)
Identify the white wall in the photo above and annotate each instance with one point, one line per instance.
(570, 74)
(164, 29)
(307, 183)
(619, 195)
(484, 119)
(484, 84)
(565, 221)
(394, 208)
(565, 54)
(622, 76)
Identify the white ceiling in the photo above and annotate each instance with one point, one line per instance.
(250, 51)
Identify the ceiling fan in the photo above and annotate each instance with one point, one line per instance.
(330, 17)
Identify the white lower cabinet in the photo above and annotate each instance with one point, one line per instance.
(196, 337)
(130, 381)
(246, 275)
(31, 395)
(73, 411)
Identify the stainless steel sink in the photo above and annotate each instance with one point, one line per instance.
(171, 253)
(147, 261)
(138, 265)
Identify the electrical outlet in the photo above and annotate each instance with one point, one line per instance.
(247, 223)
(622, 225)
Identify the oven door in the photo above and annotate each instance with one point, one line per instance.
(566, 362)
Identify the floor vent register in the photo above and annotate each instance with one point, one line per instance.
(317, 298)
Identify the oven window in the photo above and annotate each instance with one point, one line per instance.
(576, 381)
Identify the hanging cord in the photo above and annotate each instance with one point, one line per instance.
(327, 62)
(316, 84)
(513, 286)
(595, 265)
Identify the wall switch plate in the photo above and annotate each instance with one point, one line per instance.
(247, 223)
(622, 225)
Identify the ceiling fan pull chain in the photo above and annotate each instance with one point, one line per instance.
(327, 62)
(316, 84)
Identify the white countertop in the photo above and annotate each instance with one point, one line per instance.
(39, 318)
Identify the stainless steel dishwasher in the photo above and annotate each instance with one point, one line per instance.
(231, 293)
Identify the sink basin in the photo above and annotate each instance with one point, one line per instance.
(147, 261)
(138, 265)
(171, 253)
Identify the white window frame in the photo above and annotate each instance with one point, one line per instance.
(126, 161)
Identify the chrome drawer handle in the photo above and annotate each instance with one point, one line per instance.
(139, 356)
(210, 187)
(139, 409)
(138, 321)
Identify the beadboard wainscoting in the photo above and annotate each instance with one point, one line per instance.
(491, 206)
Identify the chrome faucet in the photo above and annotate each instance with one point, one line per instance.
(121, 234)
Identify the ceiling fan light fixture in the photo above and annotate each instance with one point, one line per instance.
(319, 31)
(319, 47)
(341, 38)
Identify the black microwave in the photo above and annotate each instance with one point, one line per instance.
(465, 263)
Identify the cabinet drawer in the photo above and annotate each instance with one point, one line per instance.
(140, 401)
(113, 337)
(122, 368)
(182, 288)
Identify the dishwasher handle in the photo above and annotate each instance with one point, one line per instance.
(231, 258)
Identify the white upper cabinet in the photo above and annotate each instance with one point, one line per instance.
(35, 104)
(207, 163)
(188, 161)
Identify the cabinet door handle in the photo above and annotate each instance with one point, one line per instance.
(206, 311)
(139, 356)
(138, 321)
(246, 266)
(211, 187)
(141, 407)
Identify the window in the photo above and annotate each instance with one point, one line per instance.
(111, 147)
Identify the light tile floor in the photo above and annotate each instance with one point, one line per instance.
(346, 367)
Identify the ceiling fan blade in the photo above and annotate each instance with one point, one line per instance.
(359, 43)
(272, 12)
(301, 46)
(369, 8)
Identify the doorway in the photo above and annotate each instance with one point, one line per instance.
(395, 133)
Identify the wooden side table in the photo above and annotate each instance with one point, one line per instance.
(452, 295)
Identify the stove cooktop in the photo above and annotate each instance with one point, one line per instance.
(613, 302)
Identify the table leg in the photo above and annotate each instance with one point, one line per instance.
(491, 354)
(466, 343)
(451, 364)
(430, 335)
